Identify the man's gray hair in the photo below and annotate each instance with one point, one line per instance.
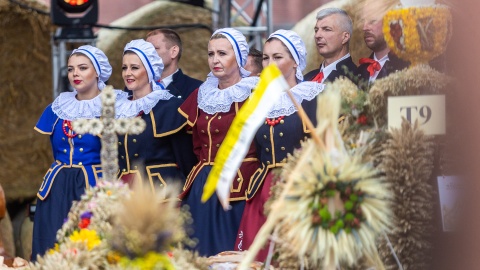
(345, 23)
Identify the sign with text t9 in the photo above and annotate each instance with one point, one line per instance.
(74, 12)
(429, 111)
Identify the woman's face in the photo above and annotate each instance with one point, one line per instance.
(134, 74)
(82, 74)
(222, 61)
(276, 52)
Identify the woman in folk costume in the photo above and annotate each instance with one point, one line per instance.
(76, 163)
(282, 132)
(209, 111)
(163, 152)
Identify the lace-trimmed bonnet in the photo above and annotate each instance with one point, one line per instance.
(150, 59)
(296, 47)
(99, 61)
(240, 47)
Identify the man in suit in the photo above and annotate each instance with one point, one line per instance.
(254, 62)
(382, 61)
(332, 36)
(168, 45)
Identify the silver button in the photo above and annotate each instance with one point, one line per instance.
(80, 163)
(265, 137)
(136, 155)
(81, 149)
(266, 149)
(64, 150)
(219, 117)
(239, 179)
(134, 140)
(80, 136)
(218, 145)
(281, 134)
(283, 148)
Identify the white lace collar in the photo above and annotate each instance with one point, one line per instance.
(131, 108)
(212, 100)
(68, 107)
(302, 91)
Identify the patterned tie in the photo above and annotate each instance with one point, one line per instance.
(373, 65)
(318, 78)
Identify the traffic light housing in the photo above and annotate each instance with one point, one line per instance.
(74, 12)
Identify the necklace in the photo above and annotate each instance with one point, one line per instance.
(68, 124)
(272, 122)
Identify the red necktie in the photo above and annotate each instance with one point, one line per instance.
(373, 65)
(318, 78)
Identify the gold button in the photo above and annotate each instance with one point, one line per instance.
(64, 150)
(265, 136)
(206, 145)
(80, 136)
(124, 170)
(281, 134)
(134, 140)
(266, 149)
(136, 155)
(282, 121)
(216, 130)
(63, 139)
(206, 117)
(123, 157)
(135, 167)
(268, 162)
(219, 117)
(119, 143)
(239, 179)
(218, 145)
(283, 148)
(203, 131)
(80, 163)
(81, 149)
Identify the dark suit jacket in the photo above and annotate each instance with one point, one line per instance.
(392, 65)
(343, 68)
(182, 85)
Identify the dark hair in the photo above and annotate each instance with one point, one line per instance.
(171, 37)
(257, 58)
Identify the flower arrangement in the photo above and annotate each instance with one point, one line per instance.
(332, 205)
(81, 242)
(113, 227)
(418, 33)
(347, 217)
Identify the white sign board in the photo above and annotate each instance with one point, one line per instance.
(429, 111)
(449, 188)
